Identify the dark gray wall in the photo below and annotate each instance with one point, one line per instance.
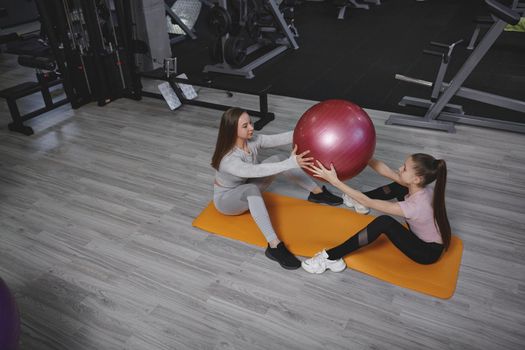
(18, 12)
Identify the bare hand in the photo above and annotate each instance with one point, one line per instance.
(302, 160)
(322, 172)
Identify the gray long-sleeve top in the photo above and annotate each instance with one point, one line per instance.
(238, 166)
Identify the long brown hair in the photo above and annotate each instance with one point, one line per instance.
(430, 169)
(227, 135)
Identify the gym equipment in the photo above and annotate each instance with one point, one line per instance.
(440, 114)
(486, 22)
(33, 53)
(92, 54)
(261, 91)
(354, 4)
(219, 21)
(337, 132)
(307, 228)
(181, 17)
(46, 77)
(243, 27)
(215, 51)
(94, 45)
(235, 50)
(149, 25)
(9, 319)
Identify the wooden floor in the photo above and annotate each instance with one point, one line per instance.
(97, 244)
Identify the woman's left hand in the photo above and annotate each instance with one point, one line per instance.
(329, 175)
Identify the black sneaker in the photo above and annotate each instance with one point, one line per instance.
(280, 254)
(325, 197)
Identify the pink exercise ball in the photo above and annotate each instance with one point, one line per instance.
(338, 132)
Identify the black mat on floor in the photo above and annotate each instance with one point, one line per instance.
(356, 58)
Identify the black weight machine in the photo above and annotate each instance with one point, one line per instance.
(488, 21)
(175, 20)
(92, 56)
(175, 94)
(93, 43)
(47, 77)
(261, 91)
(243, 27)
(440, 114)
(344, 4)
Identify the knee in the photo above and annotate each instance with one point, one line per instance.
(380, 224)
(399, 190)
(252, 190)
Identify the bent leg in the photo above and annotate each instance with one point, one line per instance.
(264, 182)
(299, 177)
(405, 240)
(247, 197)
(390, 191)
(296, 175)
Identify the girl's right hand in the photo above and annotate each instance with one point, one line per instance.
(302, 160)
(329, 175)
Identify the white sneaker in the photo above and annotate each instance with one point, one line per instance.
(359, 208)
(320, 262)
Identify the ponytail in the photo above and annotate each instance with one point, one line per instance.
(432, 169)
(438, 202)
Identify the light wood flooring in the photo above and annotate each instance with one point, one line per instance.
(97, 245)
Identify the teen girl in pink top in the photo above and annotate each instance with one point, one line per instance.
(423, 208)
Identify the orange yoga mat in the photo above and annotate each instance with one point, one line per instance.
(308, 228)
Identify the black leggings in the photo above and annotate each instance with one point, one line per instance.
(404, 239)
(390, 191)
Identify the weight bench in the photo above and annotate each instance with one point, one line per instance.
(354, 4)
(440, 113)
(488, 21)
(45, 81)
(263, 114)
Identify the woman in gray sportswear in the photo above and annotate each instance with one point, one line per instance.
(240, 177)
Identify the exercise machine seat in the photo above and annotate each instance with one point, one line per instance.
(503, 12)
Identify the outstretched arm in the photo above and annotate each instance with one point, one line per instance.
(382, 169)
(268, 141)
(237, 167)
(330, 175)
(392, 208)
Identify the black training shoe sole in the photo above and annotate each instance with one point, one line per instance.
(269, 256)
(323, 202)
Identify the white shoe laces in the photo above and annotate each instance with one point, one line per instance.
(317, 259)
(349, 202)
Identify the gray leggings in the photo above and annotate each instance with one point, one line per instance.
(237, 200)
